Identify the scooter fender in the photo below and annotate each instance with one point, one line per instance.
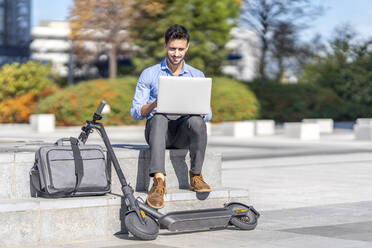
(249, 207)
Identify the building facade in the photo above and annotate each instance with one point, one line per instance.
(15, 26)
(243, 58)
(51, 43)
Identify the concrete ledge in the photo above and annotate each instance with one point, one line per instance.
(325, 125)
(363, 132)
(364, 121)
(43, 123)
(363, 129)
(264, 127)
(209, 128)
(302, 131)
(238, 129)
(133, 159)
(57, 221)
(135, 165)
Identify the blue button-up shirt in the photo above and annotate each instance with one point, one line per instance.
(147, 87)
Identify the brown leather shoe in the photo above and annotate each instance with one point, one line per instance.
(155, 198)
(197, 183)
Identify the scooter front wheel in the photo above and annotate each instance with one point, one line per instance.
(247, 221)
(148, 230)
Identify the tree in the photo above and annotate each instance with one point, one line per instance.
(208, 21)
(100, 27)
(272, 19)
(346, 68)
(283, 46)
(288, 51)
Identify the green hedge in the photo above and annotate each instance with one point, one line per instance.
(293, 102)
(20, 79)
(21, 87)
(75, 104)
(231, 100)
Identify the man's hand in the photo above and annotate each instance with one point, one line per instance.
(147, 108)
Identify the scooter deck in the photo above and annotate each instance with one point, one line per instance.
(196, 219)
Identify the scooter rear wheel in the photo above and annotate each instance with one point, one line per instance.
(248, 221)
(147, 231)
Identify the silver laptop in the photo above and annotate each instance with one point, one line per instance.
(184, 95)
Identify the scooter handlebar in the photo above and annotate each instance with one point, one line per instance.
(100, 107)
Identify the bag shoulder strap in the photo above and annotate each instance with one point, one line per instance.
(79, 169)
(35, 180)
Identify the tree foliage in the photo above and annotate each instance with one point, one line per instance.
(100, 27)
(19, 79)
(277, 24)
(346, 68)
(294, 102)
(208, 21)
(21, 87)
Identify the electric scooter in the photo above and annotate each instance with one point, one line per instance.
(144, 222)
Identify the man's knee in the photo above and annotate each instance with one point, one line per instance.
(157, 128)
(159, 120)
(159, 117)
(196, 124)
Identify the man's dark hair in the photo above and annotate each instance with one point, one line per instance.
(176, 32)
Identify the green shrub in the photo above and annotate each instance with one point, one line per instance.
(293, 102)
(75, 104)
(232, 101)
(21, 87)
(20, 79)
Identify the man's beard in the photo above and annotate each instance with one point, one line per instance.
(171, 61)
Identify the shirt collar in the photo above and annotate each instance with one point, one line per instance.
(164, 66)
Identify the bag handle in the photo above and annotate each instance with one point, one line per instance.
(60, 141)
(79, 169)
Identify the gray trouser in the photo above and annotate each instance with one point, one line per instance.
(185, 132)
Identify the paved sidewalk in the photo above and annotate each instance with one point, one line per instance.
(310, 194)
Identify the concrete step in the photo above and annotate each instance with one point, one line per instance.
(17, 160)
(39, 221)
(135, 160)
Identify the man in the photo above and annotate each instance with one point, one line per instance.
(170, 131)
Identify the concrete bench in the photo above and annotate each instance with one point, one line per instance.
(134, 161)
(363, 132)
(325, 125)
(264, 127)
(247, 129)
(38, 221)
(363, 129)
(42, 123)
(209, 128)
(364, 121)
(302, 131)
(238, 129)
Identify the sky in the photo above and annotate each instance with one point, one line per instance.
(358, 13)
